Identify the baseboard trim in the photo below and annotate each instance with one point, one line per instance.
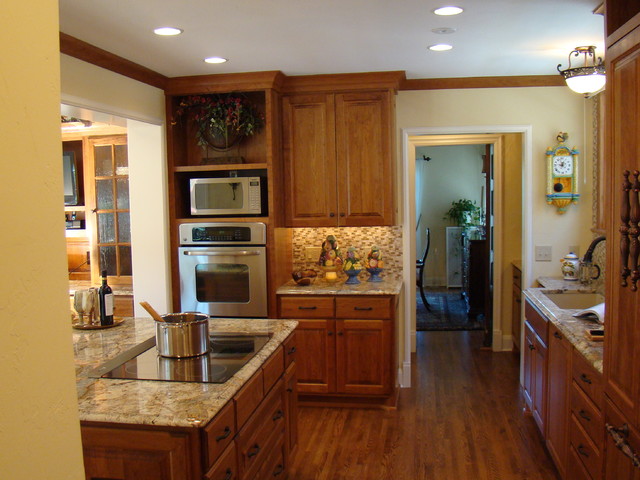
(404, 374)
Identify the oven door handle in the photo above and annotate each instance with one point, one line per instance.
(235, 253)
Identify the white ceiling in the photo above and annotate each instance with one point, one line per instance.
(303, 37)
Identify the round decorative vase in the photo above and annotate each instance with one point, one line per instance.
(353, 277)
(219, 141)
(571, 267)
(375, 274)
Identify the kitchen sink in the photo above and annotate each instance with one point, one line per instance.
(574, 300)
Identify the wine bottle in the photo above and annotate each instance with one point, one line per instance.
(105, 294)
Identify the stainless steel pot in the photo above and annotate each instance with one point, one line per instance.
(182, 335)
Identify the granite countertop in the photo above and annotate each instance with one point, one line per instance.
(388, 286)
(148, 402)
(559, 283)
(571, 327)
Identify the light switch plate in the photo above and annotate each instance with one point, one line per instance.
(543, 253)
(312, 254)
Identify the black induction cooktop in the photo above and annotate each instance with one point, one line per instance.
(228, 354)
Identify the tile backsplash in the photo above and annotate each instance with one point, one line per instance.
(388, 240)
(599, 259)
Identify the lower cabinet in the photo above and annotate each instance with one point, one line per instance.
(535, 364)
(348, 344)
(619, 466)
(251, 438)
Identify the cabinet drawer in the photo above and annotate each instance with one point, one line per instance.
(588, 453)
(307, 307)
(290, 349)
(575, 468)
(538, 322)
(273, 368)
(248, 399)
(262, 431)
(274, 465)
(517, 277)
(219, 433)
(587, 378)
(364, 306)
(226, 468)
(587, 415)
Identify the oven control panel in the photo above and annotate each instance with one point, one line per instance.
(253, 233)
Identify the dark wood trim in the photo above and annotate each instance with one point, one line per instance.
(225, 82)
(86, 52)
(483, 82)
(342, 82)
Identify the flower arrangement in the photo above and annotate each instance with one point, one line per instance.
(221, 119)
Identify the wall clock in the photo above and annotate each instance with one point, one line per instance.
(562, 174)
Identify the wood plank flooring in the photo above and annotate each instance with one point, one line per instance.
(462, 419)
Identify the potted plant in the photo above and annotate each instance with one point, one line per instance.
(221, 120)
(464, 213)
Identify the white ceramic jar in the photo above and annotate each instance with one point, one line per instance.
(571, 267)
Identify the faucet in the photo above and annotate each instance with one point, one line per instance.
(587, 262)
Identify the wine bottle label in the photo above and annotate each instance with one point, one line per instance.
(108, 304)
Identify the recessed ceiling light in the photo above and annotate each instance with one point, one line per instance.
(215, 60)
(448, 10)
(440, 47)
(167, 31)
(443, 30)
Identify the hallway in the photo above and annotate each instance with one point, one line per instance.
(461, 420)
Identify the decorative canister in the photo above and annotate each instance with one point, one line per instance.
(571, 267)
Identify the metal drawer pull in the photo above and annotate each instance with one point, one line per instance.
(531, 347)
(363, 308)
(279, 469)
(234, 253)
(620, 436)
(253, 451)
(291, 351)
(584, 415)
(557, 335)
(582, 451)
(585, 378)
(279, 414)
(229, 474)
(227, 432)
(307, 308)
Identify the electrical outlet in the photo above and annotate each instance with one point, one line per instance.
(575, 249)
(543, 253)
(312, 254)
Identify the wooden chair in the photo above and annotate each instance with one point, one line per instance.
(420, 273)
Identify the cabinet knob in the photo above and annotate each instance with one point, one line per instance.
(330, 333)
(225, 434)
(557, 335)
(228, 474)
(585, 378)
(253, 451)
(340, 334)
(332, 214)
(584, 415)
(342, 214)
(531, 347)
(582, 451)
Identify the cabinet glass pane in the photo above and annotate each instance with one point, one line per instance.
(125, 260)
(122, 193)
(122, 161)
(104, 194)
(124, 227)
(104, 160)
(108, 260)
(106, 228)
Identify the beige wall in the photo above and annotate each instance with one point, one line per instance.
(39, 428)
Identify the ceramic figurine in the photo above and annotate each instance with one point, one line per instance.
(330, 258)
(570, 267)
(352, 266)
(374, 264)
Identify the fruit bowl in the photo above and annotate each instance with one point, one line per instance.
(304, 277)
(375, 274)
(353, 276)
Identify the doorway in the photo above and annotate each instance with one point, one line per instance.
(512, 148)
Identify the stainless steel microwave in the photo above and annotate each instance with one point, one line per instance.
(226, 196)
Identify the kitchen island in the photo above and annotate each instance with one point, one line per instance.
(146, 429)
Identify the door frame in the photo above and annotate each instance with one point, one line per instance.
(488, 134)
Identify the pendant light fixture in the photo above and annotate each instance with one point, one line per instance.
(589, 78)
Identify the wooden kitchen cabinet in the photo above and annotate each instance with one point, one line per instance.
(622, 143)
(347, 356)
(338, 151)
(516, 308)
(535, 364)
(558, 384)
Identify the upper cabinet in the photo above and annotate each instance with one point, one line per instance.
(338, 158)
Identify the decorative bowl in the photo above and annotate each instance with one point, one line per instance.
(375, 274)
(353, 277)
(304, 277)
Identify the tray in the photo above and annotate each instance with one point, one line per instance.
(85, 326)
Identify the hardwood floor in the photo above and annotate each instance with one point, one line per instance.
(461, 420)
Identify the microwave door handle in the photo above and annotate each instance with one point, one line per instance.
(238, 253)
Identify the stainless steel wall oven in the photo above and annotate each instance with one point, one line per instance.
(223, 269)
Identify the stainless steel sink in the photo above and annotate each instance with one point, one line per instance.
(574, 300)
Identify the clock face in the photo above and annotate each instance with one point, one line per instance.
(562, 165)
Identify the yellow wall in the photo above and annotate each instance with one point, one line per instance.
(39, 428)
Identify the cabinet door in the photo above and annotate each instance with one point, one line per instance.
(622, 355)
(316, 367)
(559, 380)
(309, 160)
(527, 360)
(363, 356)
(619, 466)
(364, 159)
(539, 383)
(291, 408)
